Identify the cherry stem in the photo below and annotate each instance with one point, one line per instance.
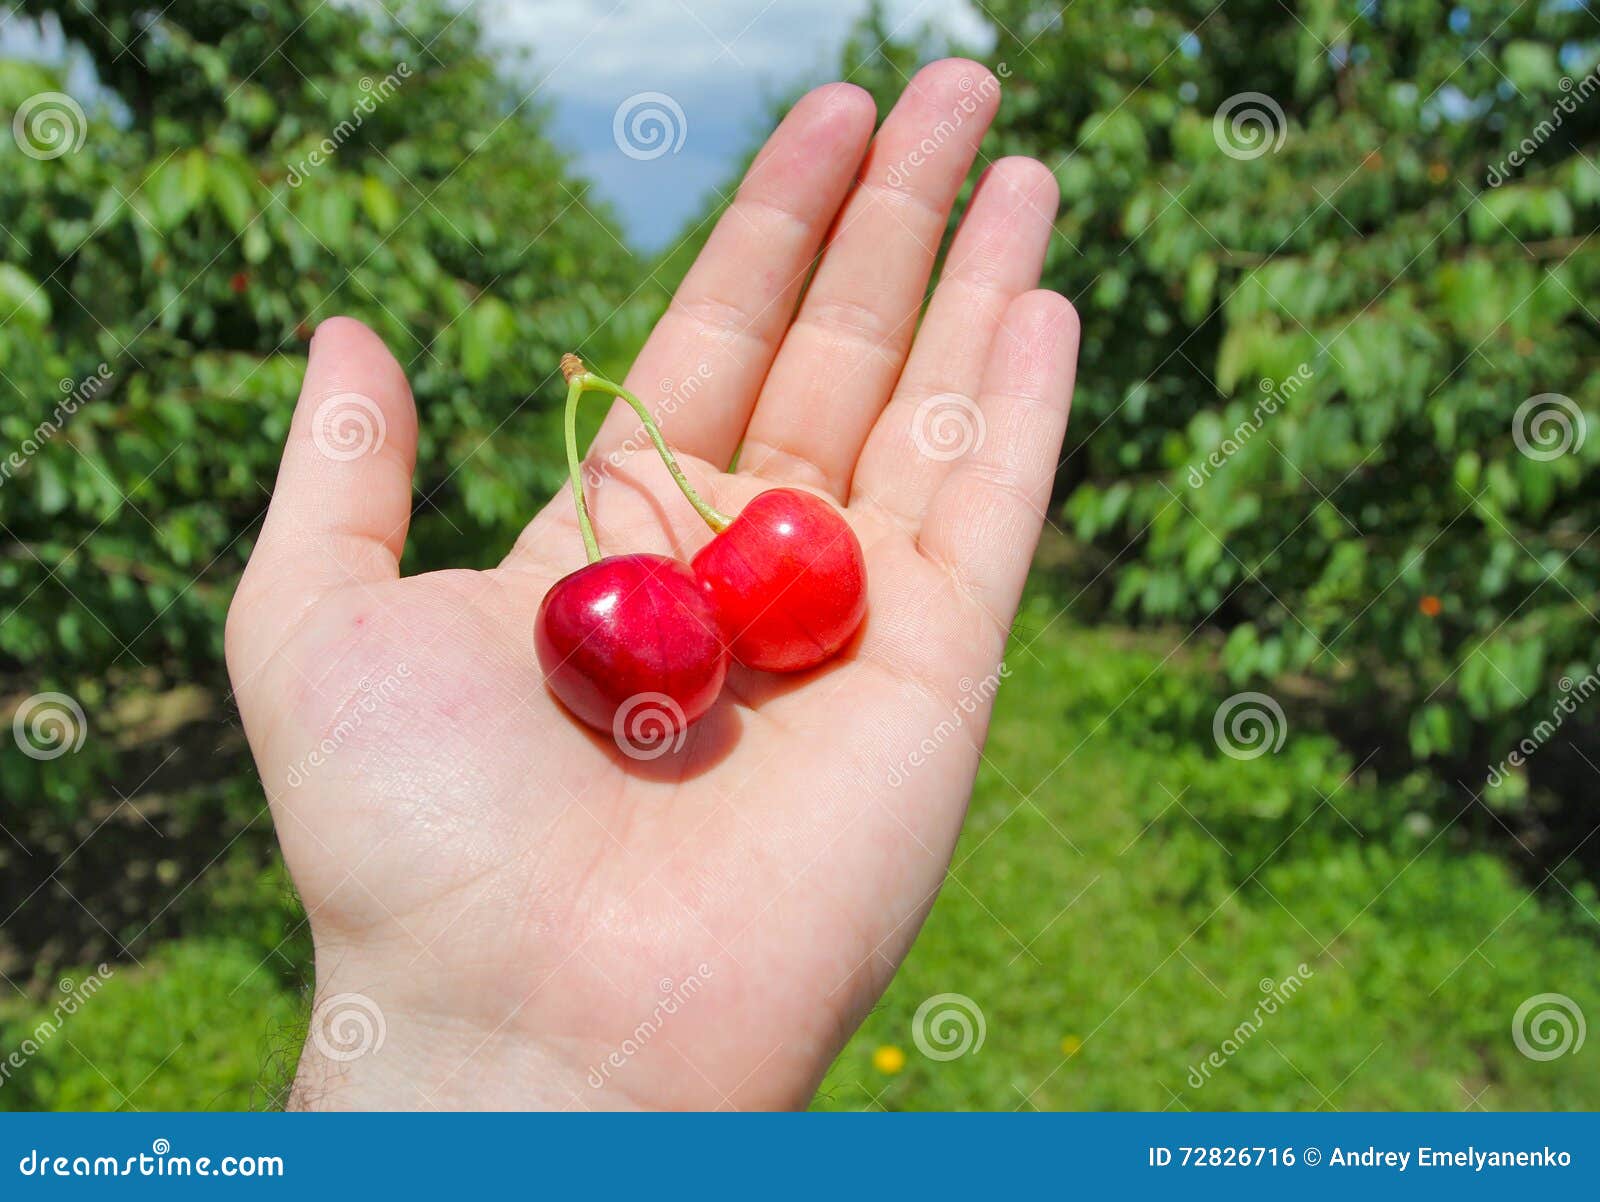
(579, 380)
(591, 546)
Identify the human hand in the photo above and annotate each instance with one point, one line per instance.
(540, 918)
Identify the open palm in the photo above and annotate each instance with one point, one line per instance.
(507, 909)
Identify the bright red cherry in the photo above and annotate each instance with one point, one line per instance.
(787, 580)
(630, 645)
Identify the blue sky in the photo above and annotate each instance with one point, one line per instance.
(721, 62)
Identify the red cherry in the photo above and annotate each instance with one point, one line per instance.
(239, 281)
(787, 580)
(631, 646)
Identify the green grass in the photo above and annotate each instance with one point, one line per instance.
(1120, 892)
(1122, 889)
(201, 1025)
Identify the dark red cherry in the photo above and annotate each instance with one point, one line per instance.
(787, 580)
(631, 646)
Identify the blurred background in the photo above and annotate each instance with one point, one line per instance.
(1290, 797)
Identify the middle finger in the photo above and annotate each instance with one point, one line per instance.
(840, 359)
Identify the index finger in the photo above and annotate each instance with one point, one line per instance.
(704, 362)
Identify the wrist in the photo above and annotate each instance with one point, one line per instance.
(373, 1042)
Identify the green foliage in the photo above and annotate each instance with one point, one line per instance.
(1114, 921)
(245, 170)
(1303, 361)
(1398, 283)
(1103, 911)
(201, 1026)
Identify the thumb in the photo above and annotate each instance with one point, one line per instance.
(342, 502)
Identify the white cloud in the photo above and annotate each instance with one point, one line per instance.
(724, 61)
(609, 42)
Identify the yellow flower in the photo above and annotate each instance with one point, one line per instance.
(888, 1059)
(1070, 1045)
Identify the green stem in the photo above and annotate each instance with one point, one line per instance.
(575, 471)
(580, 379)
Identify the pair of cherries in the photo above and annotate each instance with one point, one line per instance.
(781, 588)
